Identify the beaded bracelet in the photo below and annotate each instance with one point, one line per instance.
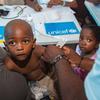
(56, 59)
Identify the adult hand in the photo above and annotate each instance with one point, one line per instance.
(51, 52)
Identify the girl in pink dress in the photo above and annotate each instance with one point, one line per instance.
(88, 44)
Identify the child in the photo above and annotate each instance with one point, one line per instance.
(88, 44)
(24, 53)
(89, 41)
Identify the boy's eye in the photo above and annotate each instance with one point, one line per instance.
(89, 40)
(12, 43)
(26, 41)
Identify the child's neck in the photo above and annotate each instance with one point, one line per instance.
(22, 64)
(89, 54)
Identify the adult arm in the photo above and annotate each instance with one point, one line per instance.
(70, 85)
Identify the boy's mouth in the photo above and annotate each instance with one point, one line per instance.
(21, 56)
(82, 47)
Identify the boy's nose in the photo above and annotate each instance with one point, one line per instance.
(83, 42)
(20, 47)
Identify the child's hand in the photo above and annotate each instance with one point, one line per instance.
(72, 56)
(66, 50)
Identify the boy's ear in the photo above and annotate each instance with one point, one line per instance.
(34, 43)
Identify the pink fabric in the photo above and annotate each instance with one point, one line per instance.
(79, 71)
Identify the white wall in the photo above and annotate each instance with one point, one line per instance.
(11, 2)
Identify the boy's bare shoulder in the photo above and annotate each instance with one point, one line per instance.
(39, 50)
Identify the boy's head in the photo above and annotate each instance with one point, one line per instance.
(19, 39)
(89, 38)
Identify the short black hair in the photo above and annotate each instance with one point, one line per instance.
(12, 23)
(95, 30)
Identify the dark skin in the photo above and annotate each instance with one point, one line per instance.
(88, 44)
(74, 59)
(32, 72)
(35, 58)
(21, 45)
(25, 55)
(69, 84)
